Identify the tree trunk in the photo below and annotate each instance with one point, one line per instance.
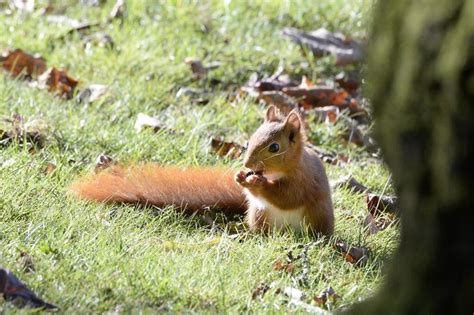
(421, 82)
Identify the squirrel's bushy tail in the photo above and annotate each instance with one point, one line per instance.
(192, 189)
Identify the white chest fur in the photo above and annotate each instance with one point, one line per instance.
(276, 217)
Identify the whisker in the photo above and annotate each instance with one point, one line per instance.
(264, 148)
(275, 155)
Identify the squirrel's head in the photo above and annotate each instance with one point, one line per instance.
(277, 144)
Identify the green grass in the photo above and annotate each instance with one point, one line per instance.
(97, 258)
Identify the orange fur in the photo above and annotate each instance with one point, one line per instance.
(191, 189)
(288, 185)
(302, 182)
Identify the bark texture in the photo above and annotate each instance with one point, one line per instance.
(421, 81)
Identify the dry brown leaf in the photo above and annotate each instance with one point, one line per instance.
(58, 81)
(377, 204)
(282, 101)
(197, 68)
(349, 81)
(326, 113)
(339, 98)
(284, 266)
(50, 167)
(18, 63)
(260, 290)
(226, 149)
(102, 162)
(306, 83)
(15, 129)
(26, 262)
(322, 42)
(353, 254)
(310, 97)
(327, 295)
(351, 184)
(12, 289)
(373, 224)
(275, 83)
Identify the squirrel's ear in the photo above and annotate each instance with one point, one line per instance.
(293, 121)
(272, 114)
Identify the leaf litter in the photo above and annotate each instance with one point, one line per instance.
(321, 42)
(16, 291)
(33, 69)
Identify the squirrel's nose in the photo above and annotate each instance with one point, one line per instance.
(249, 162)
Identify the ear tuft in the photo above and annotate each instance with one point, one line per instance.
(293, 121)
(272, 114)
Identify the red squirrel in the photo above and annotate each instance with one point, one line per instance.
(286, 186)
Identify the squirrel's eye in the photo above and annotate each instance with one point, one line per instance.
(274, 147)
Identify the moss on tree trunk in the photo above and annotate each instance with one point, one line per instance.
(421, 81)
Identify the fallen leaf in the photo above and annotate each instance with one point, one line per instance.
(26, 262)
(326, 113)
(277, 83)
(373, 224)
(322, 42)
(197, 96)
(15, 129)
(144, 121)
(18, 63)
(377, 204)
(284, 266)
(349, 81)
(356, 111)
(103, 161)
(50, 167)
(197, 68)
(226, 149)
(91, 93)
(353, 254)
(58, 81)
(306, 83)
(260, 290)
(14, 290)
(327, 295)
(282, 101)
(310, 97)
(339, 98)
(350, 183)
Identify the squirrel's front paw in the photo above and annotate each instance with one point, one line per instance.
(240, 177)
(255, 180)
(249, 179)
